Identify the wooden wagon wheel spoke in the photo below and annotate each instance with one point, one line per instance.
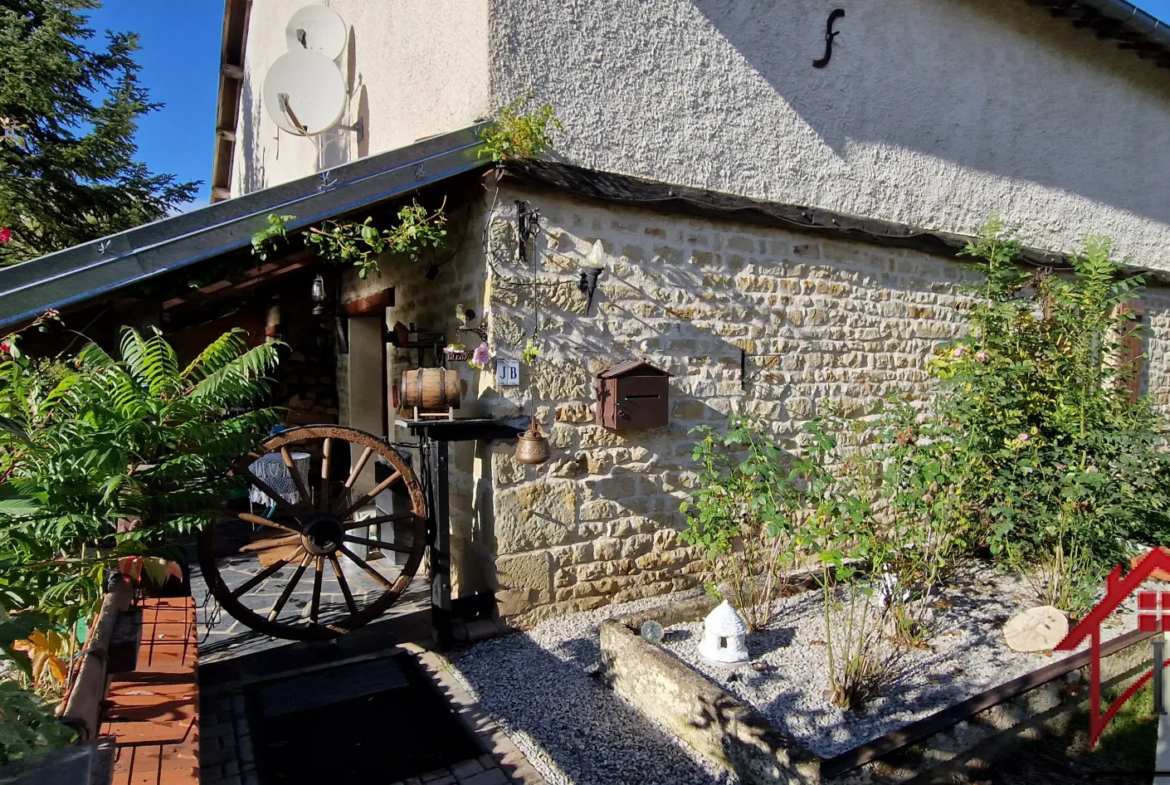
(367, 568)
(343, 583)
(315, 530)
(288, 589)
(263, 575)
(260, 520)
(295, 473)
(386, 546)
(378, 520)
(353, 475)
(326, 456)
(315, 605)
(268, 491)
(386, 483)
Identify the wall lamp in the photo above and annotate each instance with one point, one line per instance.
(591, 271)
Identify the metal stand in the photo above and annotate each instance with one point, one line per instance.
(434, 435)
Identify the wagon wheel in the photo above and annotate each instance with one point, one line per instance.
(316, 535)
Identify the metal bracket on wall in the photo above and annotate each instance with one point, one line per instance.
(744, 379)
(830, 34)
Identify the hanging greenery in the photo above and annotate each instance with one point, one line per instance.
(360, 244)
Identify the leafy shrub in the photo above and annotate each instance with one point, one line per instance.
(1064, 470)
(27, 724)
(518, 132)
(743, 513)
(109, 460)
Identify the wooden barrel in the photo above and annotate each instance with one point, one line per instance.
(430, 389)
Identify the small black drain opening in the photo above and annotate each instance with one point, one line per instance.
(386, 736)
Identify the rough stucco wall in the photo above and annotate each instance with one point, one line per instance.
(932, 112)
(851, 323)
(414, 68)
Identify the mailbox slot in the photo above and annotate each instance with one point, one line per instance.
(633, 395)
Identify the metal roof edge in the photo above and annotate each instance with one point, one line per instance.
(1120, 20)
(115, 262)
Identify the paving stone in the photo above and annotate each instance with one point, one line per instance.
(217, 757)
(467, 768)
(490, 777)
(431, 776)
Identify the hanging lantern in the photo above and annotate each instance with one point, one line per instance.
(318, 295)
(532, 447)
(724, 636)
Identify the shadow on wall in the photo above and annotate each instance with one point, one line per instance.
(1003, 94)
(251, 107)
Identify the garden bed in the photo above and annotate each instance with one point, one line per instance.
(772, 719)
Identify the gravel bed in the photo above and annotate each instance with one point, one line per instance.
(540, 687)
(788, 679)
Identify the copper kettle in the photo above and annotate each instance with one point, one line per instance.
(532, 447)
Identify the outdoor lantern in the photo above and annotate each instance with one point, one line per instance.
(318, 295)
(724, 636)
(591, 270)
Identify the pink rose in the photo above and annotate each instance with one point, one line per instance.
(4, 347)
(958, 352)
(5, 234)
(981, 357)
(1023, 437)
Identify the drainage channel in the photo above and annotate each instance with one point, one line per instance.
(372, 718)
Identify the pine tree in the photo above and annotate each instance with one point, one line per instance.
(68, 115)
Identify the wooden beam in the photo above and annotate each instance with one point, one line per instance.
(371, 305)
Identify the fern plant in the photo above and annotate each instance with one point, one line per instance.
(110, 460)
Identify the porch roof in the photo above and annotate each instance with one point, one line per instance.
(87, 271)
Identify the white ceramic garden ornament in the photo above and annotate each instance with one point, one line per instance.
(724, 636)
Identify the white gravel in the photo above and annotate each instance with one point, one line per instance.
(538, 686)
(788, 680)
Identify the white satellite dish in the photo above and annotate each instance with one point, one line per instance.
(304, 93)
(317, 29)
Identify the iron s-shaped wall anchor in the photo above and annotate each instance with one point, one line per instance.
(830, 34)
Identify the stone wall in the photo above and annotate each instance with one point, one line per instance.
(821, 320)
(838, 321)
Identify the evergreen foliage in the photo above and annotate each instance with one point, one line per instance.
(69, 112)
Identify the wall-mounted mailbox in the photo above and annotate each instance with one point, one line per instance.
(633, 394)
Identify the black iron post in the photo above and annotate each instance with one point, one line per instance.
(440, 545)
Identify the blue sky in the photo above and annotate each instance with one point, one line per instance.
(180, 42)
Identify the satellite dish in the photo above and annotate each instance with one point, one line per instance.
(317, 29)
(304, 93)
